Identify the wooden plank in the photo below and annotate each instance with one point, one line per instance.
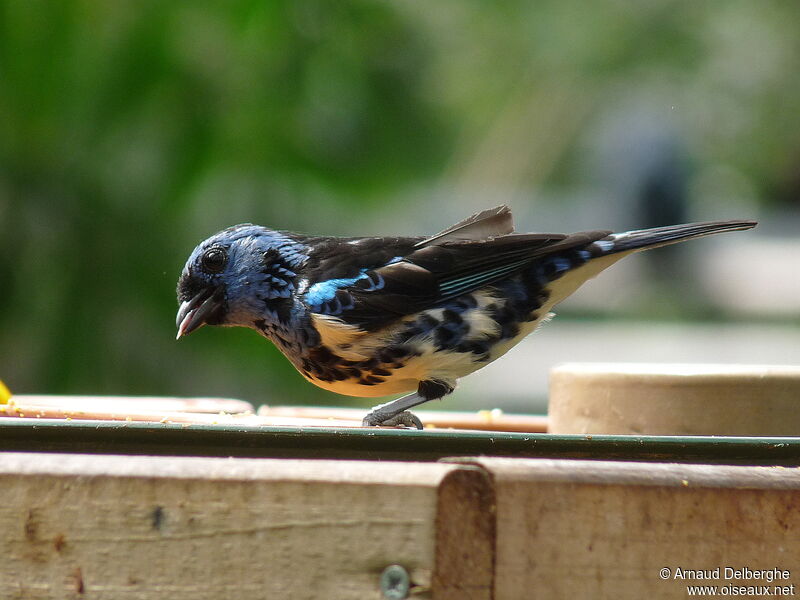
(115, 527)
(591, 529)
(101, 527)
(465, 536)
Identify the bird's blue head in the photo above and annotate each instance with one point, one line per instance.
(239, 276)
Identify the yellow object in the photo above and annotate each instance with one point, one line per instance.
(5, 393)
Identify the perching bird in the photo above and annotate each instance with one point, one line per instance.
(373, 316)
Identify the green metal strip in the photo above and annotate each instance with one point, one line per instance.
(117, 437)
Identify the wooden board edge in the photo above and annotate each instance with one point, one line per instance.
(633, 473)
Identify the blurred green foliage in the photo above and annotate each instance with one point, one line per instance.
(131, 131)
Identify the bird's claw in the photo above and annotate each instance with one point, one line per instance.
(403, 419)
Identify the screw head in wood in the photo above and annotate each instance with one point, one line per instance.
(395, 583)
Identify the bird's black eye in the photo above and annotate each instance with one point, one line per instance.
(213, 260)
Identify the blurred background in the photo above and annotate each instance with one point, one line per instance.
(129, 132)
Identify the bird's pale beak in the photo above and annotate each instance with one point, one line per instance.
(194, 313)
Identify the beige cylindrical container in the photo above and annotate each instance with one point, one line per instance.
(675, 399)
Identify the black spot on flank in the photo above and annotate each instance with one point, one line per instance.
(392, 353)
(427, 321)
(478, 348)
(372, 379)
(381, 372)
(423, 325)
(451, 331)
(323, 356)
(444, 337)
(415, 330)
(369, 364)
(451, 316)
(338, 375)
(508, 319)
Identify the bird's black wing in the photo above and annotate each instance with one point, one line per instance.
(438, 273)
(427, 272)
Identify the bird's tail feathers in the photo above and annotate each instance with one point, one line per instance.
(644, 239)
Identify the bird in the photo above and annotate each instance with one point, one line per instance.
(379, 316)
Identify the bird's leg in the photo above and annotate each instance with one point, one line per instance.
(395, 412)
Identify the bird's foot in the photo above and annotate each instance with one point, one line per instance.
(378, 418)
